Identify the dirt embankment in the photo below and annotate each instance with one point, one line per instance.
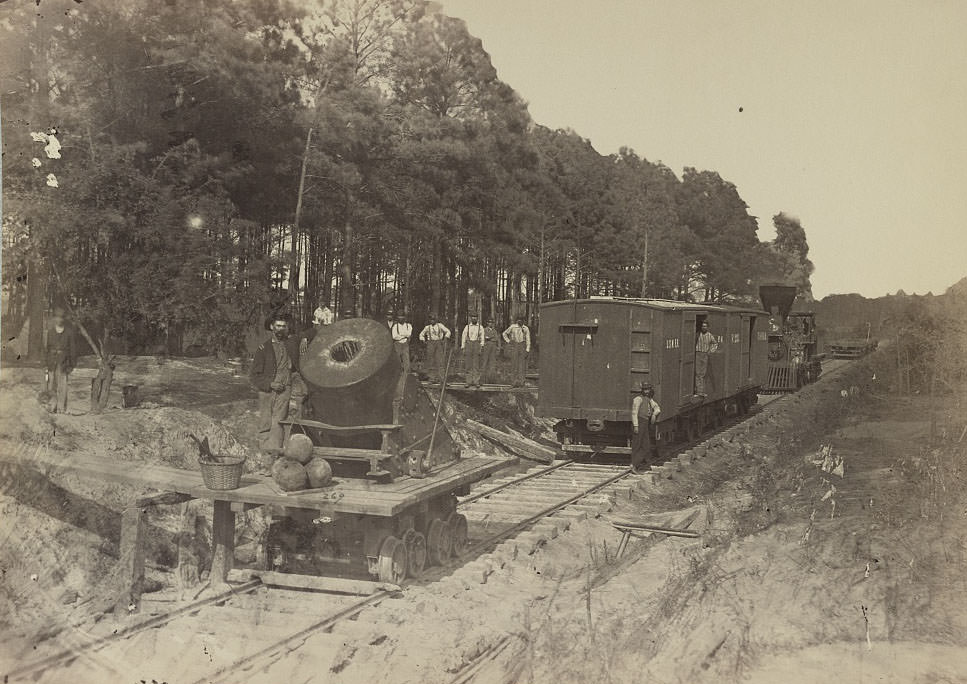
(836, 542)
(60, 532)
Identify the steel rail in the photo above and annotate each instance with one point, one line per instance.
(300, 636)
(512, 483)
(97, 644)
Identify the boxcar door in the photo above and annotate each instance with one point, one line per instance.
(687, 373)
(745, 349)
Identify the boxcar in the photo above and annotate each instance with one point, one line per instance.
(595, 353)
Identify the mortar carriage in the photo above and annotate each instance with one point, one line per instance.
(596, 352)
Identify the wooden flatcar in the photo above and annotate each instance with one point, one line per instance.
(391, 508)
(596, 352)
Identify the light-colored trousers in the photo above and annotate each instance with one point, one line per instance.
(273, 407)
(57, 386)
(435, 358)
(472, 359)
(518, 361)
(701, 369)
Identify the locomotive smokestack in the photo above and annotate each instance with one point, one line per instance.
(777, 299)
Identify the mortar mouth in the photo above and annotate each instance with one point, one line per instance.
(345, 351)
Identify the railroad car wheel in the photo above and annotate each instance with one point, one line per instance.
(392, 561)
(458, 532)
(415, 551)
(691, 428)
(439, 541)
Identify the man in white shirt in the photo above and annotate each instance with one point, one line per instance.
(518, 338)
(705, 344)
(644, 419)
(402, 331)
(435, 335)
(471, 343)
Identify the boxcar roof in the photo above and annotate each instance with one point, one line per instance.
(662, 304)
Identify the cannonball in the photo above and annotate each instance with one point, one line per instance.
(289, 475)
(320, 472)
(298, 448)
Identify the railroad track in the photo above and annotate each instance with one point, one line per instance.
(231, 636)
(237, 634)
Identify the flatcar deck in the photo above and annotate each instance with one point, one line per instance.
(345, 496)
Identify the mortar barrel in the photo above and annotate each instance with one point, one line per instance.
(352, 373)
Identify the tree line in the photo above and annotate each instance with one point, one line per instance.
(214, 162)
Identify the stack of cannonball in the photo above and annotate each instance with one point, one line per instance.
(297, 469)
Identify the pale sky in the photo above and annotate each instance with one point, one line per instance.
(854, 112)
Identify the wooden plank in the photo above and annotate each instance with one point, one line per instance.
(349, 453)
(586, 449)
(527, 448)
(131, 563)
(223, 542)
(343, 429)
(347, 496)
(296, 492)
(336, 585)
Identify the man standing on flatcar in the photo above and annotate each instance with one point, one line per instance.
(435, 335)
(644, 421)
(518, 336)
(704, 345)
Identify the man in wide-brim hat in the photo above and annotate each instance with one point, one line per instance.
(644, 419)
(274, 366)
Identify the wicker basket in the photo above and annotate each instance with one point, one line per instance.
(226, 473)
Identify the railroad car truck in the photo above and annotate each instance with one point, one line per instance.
(595, 353)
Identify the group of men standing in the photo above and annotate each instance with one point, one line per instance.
(275, 365)
(479, 344)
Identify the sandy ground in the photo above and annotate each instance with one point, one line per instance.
(845, 562)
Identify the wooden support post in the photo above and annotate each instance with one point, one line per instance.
(189, 538)
(131, 566)
(223, 542)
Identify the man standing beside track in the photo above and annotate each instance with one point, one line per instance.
(490, 348)
(435, 335)
(644, 421)
(402, 331)
(273, 366)
(472, 342)
(60, 357)
(704, 345)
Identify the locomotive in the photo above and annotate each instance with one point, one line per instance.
(597, 352)
(792, 358)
